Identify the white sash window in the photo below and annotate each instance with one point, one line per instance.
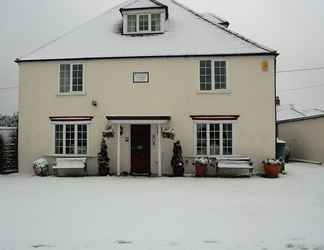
(212, 139)
(71, 138)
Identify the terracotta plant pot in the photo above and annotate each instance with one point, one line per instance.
(201, 170)
(272, 170)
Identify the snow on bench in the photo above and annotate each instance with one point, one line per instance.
(235, 163)
(70, 163)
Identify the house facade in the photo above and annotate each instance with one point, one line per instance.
(142, 67)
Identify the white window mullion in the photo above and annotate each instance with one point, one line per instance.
(208, 138)
(195, 139)
(213, 75)
(71, 78)
(75, 138)
(88, 135)
(221, 138)
(64, 144)
(149, 23)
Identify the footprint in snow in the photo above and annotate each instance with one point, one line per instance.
(174, 243)
(318, 248)
(211, 241)
(41, 245)
(124, 242)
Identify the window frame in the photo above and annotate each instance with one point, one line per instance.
(136, 23)
(71, 92)
(221, 151)
(148, 16)
(75, 123)
(213, 90)
(160, 26)
(139, 13)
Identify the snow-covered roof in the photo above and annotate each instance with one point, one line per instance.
(187, 33)
(142, 4)
(291, 113)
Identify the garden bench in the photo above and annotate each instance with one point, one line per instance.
(235, 163)
(70, 164)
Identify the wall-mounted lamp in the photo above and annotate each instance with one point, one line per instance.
(94, 103)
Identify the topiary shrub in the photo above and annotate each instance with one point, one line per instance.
(103, 159)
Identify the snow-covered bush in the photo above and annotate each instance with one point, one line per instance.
(40, 167)
(168, 133)
(9, 120)
(108, 132)
(201, 161)
(273, 161)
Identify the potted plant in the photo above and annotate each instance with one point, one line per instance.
(201, 164)
(41, 167)
(272, 168)
(168, 133)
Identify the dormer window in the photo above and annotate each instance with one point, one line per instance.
(131, 23)
(143, 23)
(146, 17)
(155, 22)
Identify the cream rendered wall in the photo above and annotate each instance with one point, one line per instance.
(172, 90)
(304, 138)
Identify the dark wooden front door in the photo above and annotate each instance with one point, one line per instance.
(141, 149)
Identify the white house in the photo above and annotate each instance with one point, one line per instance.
(141, 67)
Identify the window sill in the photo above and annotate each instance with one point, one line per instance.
(141, 33)
(70, 156)
(71, 94)
(213, 92)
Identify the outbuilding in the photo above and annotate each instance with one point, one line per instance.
(303, 130)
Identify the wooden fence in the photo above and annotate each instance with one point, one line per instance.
(9, 150)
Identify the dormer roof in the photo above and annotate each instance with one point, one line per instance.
(186, 33)
(143, 5)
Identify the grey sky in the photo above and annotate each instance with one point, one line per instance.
(293, 27)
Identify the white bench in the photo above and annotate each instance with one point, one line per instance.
(70, 163)
(235, 163)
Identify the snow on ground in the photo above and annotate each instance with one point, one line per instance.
(164, 213)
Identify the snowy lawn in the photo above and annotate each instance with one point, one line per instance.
(164, 213)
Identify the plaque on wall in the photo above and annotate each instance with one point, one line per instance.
(140, 77)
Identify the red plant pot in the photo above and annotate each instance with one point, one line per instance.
(272, 170)
(201, 170)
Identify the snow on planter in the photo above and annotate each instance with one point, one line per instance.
(40, 167)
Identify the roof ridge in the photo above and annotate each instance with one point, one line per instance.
(75, 28)
(226, 29)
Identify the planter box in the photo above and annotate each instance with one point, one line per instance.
(200, 170)
(272, 170)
